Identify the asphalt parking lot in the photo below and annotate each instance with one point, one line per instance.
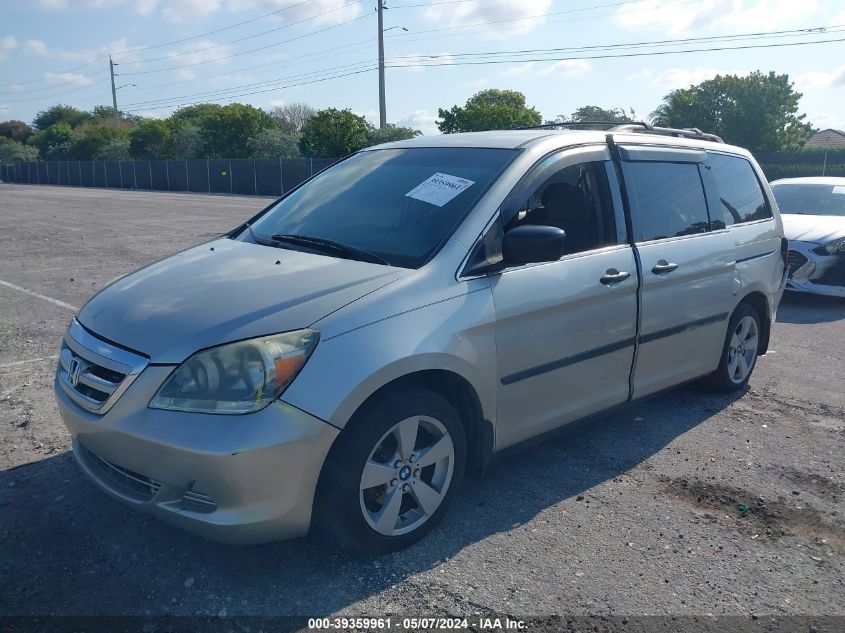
(633, 514)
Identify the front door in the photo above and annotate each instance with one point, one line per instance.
(565, 330)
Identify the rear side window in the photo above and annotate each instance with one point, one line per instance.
(667, 199)
(739, 191)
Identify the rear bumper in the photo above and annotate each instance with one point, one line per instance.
(237, 479)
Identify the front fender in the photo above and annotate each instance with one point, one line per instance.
(456, 334)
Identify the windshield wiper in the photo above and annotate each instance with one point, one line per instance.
(324, 244)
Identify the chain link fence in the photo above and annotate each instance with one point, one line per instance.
(273, 177)
(245, 176)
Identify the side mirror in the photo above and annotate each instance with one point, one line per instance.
(529, 244)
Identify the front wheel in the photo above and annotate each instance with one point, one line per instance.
(392, 473)
(739, 354)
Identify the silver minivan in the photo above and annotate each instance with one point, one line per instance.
(340, 361)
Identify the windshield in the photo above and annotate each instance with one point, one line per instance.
(811, 199)
(398, 204)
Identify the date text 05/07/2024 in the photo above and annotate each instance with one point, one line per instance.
(416, 624)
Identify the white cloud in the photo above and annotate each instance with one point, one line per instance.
(685, 17)
(371, 115)
(141, 7)
(838, 19)
(421, 120)
(72, 79)
(190, 10)
(819, 79)
(52, 5)
(566, 67)
(15, 88)
(36, 48)
(199, 53)
(825, 120)
(520, 70)
(509, 17)
(7, 45)
(323, 11)
(85, 56)
(672, 78)
(416, 62)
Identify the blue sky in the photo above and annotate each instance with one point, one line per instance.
(53, 51)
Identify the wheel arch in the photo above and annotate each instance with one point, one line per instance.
(760, 302)
(462, 395)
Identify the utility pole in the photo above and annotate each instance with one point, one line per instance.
(113, 89)
(382, 108)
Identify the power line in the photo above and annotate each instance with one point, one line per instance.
(499, 61)
(58, 94)
(254, 50)
(654, 43)
(242, 39)
(614, 56)
(163, 44)
(179, 105)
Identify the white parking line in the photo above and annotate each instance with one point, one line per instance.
(61, 304)
(18, 363)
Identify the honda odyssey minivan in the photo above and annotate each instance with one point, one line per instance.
(339, 362)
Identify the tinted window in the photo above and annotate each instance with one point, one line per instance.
(667, 199)
(811, 199)
(364, 201)
(574, 199)
(739, 190)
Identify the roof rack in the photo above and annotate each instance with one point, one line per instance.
(635, 126)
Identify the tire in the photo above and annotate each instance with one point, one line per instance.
(739, 354)
(412, 488)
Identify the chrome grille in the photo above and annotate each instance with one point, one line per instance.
(94, 373)
(126, 481)
(795, 261)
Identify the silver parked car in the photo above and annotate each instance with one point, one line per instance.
(341, 360)
(814, 223)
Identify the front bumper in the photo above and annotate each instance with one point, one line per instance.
(814, 273)
(237, 479)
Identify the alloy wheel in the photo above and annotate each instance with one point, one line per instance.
(407, 475)
(742, 352)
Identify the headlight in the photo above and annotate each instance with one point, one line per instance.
(837, 246)
(237, 377)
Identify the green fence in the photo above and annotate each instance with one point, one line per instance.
(796, 164)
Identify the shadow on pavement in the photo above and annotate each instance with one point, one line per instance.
(68, 548)
(804, 309)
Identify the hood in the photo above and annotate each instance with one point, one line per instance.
(813, 228)
(225, 291)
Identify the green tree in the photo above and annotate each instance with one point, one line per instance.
(333, 133)
(153, 138)
(489, 110)
(15, 151)
(187, 140)
(274, 143)
(196, 114)
(596, 113)
(390, 132)
(15, 130)
(226, 132)
(759, 111)
(55, 142)
(60, 114)
(90, 139)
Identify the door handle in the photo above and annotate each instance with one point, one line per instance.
(662, 266)
(612, 276)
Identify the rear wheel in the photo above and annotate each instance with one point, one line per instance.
(739, 354)
(393, 472)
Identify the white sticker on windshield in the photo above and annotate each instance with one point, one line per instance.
(439, 189)
(839, 189)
